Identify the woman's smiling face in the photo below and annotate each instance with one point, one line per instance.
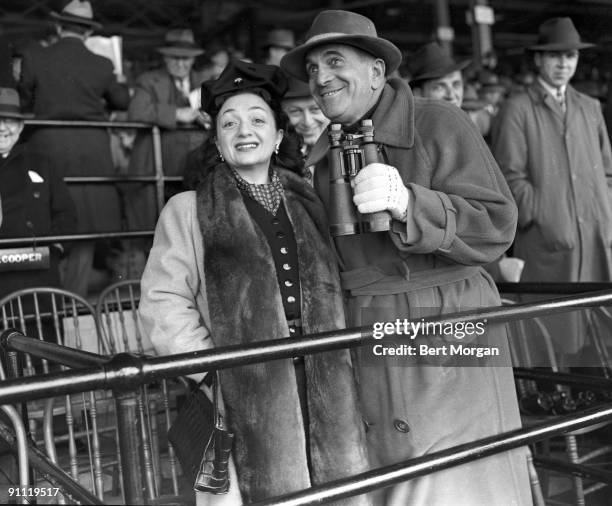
(246, 132)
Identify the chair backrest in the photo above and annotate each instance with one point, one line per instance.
(53, 315)
(117, 312)
(63, 317)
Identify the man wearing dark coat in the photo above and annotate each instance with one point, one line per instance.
(450, 212)
(553, 148)
(34, 201)
(162, 98)
(66, 81)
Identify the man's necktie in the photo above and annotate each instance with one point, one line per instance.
(183, 86)
(561, 100)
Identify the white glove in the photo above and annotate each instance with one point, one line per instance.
(379, 187)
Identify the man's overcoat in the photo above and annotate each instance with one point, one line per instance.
(155, 101)
(67, 81)
(559, 168)
(35, 202)
(467, 218)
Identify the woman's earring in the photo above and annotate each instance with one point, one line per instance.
(276, 149)
(221, 157)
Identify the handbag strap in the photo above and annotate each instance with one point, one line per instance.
(216, 392)
(219, 422)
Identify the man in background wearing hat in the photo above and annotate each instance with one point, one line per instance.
(553, 148)
(452, 212)
(278, 43)
(434, 74)
(66, 81)
(162, 98)
(34, 200)
(305, 116)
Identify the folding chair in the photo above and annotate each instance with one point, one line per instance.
(117, 312)
(525, 337)
(65, 318)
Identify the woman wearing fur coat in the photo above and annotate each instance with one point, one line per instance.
(246, 258)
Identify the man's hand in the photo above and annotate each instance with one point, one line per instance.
(186, 115)
(379, 187)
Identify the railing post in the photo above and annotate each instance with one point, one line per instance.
(127, 427)
(159, 169)
(126, 392)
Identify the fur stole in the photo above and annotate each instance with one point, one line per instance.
(245, 306)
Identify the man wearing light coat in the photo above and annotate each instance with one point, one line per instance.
(553, 148)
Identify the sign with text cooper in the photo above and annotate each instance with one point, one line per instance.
(24, 259)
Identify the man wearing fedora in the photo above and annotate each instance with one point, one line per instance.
(161, 97)
(34, 200)
(452, 212)
(66, 81)
(436, 75)
(552, 146)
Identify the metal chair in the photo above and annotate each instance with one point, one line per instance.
(21, 439)
(524, 339)
(117, 312)
(65, 318)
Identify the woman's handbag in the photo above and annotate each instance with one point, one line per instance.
(201, 441)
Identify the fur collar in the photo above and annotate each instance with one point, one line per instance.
(245, 306)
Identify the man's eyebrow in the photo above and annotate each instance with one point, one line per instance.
(327, 52)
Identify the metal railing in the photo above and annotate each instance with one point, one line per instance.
(124, 373)
(157, 178)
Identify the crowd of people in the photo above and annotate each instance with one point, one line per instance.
(468, 168)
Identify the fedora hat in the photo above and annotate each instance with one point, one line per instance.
(431, 61)
(297, 89)
(10, 106)
(180, 42)
(558, 34)
(78, 12)
(341, 27)
(280, 37)
(239, 76)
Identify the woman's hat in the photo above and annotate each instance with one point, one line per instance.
(432, 62)
(10, 106)
(341, 27)
(280, 37)
(297, 89)
(180, 42)
(78, 12)
(268, 81)
(558, 34)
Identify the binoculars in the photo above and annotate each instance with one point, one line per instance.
(348, 153)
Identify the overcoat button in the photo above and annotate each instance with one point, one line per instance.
(275, 221)
(280, 235)
(401, 426)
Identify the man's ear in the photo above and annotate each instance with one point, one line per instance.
(377, 70)
(537, 59)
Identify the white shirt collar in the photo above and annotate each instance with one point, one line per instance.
(551, 90)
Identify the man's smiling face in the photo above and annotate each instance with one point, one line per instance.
(344, 81)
